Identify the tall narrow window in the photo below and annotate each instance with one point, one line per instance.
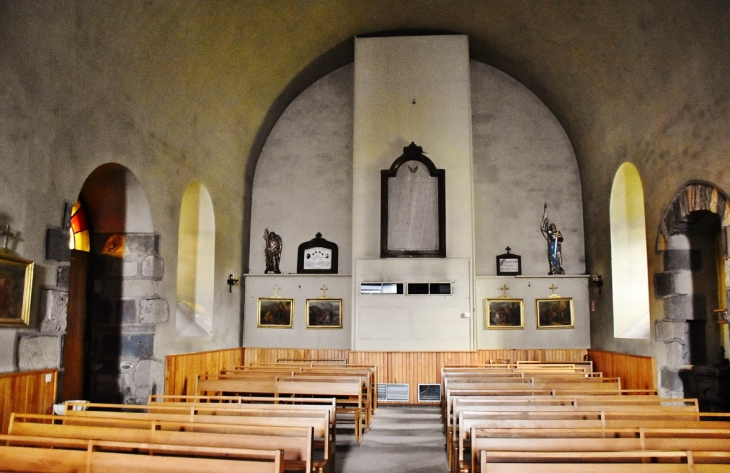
(630, 275)
(195, 263)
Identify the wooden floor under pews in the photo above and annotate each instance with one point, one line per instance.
(300, 416)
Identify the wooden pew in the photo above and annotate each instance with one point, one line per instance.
(348, 394)
(451, 394)
(297, 443)
(318, 419)
(348, 391)
(606, 462)
(575, 421)
(548, 381)
(525, 404)
(246, 403)
(238, 385)
(183, 399)
(586, 365)
(41, 454)
(321, 369)
(534, 383)
(369, 372)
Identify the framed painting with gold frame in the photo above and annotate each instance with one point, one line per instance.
(504, 313)
(555, 312)
(16, 285)
(275, 312)
(324, 313)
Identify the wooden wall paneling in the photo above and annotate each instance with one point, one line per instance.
(412, 368)
(28, 392)
(181, 371)
(636, 372)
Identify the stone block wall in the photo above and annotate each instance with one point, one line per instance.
(688, 302)
(125, 309)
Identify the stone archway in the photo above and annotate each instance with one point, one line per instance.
(122, 304)
(698, 208)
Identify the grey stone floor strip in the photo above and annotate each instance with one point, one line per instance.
(402, 439)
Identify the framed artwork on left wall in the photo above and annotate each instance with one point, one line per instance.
(324, 313)
(555, 312)
(504, 313)
(275, 312)
(16, 285)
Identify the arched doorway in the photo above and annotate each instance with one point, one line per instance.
(693, 242)
(113, 302)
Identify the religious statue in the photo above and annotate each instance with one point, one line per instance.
(554, 240)
(272, 252)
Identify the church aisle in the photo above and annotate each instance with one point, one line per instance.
(402, 439)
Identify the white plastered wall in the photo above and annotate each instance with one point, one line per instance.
(412, 89)
(522, 157)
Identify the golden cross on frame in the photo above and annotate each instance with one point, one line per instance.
(324, 291)
(504, 290)
(553, 288)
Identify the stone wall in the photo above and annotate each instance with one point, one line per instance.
(125, 308)
(687, 285)
(124, 311)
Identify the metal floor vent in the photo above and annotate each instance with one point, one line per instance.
(393, 392)
(429, 392)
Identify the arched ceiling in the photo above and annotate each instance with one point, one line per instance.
(229, 67)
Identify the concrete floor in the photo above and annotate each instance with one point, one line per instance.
(401, 439)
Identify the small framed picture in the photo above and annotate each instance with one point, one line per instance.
(324, 313)
(509, 265)
(275, 312)
(555, 312)
(504, 313)
(16, 285)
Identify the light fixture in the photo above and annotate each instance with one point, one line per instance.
(597, 281)
(233, 280)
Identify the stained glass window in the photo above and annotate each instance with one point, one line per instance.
(79, 231)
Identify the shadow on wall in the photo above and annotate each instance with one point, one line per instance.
(115, 306)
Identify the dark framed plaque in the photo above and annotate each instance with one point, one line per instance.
(509, 265)
(317, 256)
(412, 207)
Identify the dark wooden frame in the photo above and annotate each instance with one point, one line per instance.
(317, 242)
(509, 256)
(412, 153)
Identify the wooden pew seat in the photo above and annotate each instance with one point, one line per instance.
(297, 443)
(42, 454)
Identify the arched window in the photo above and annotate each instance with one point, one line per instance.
(195, 263)
(630, 276)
